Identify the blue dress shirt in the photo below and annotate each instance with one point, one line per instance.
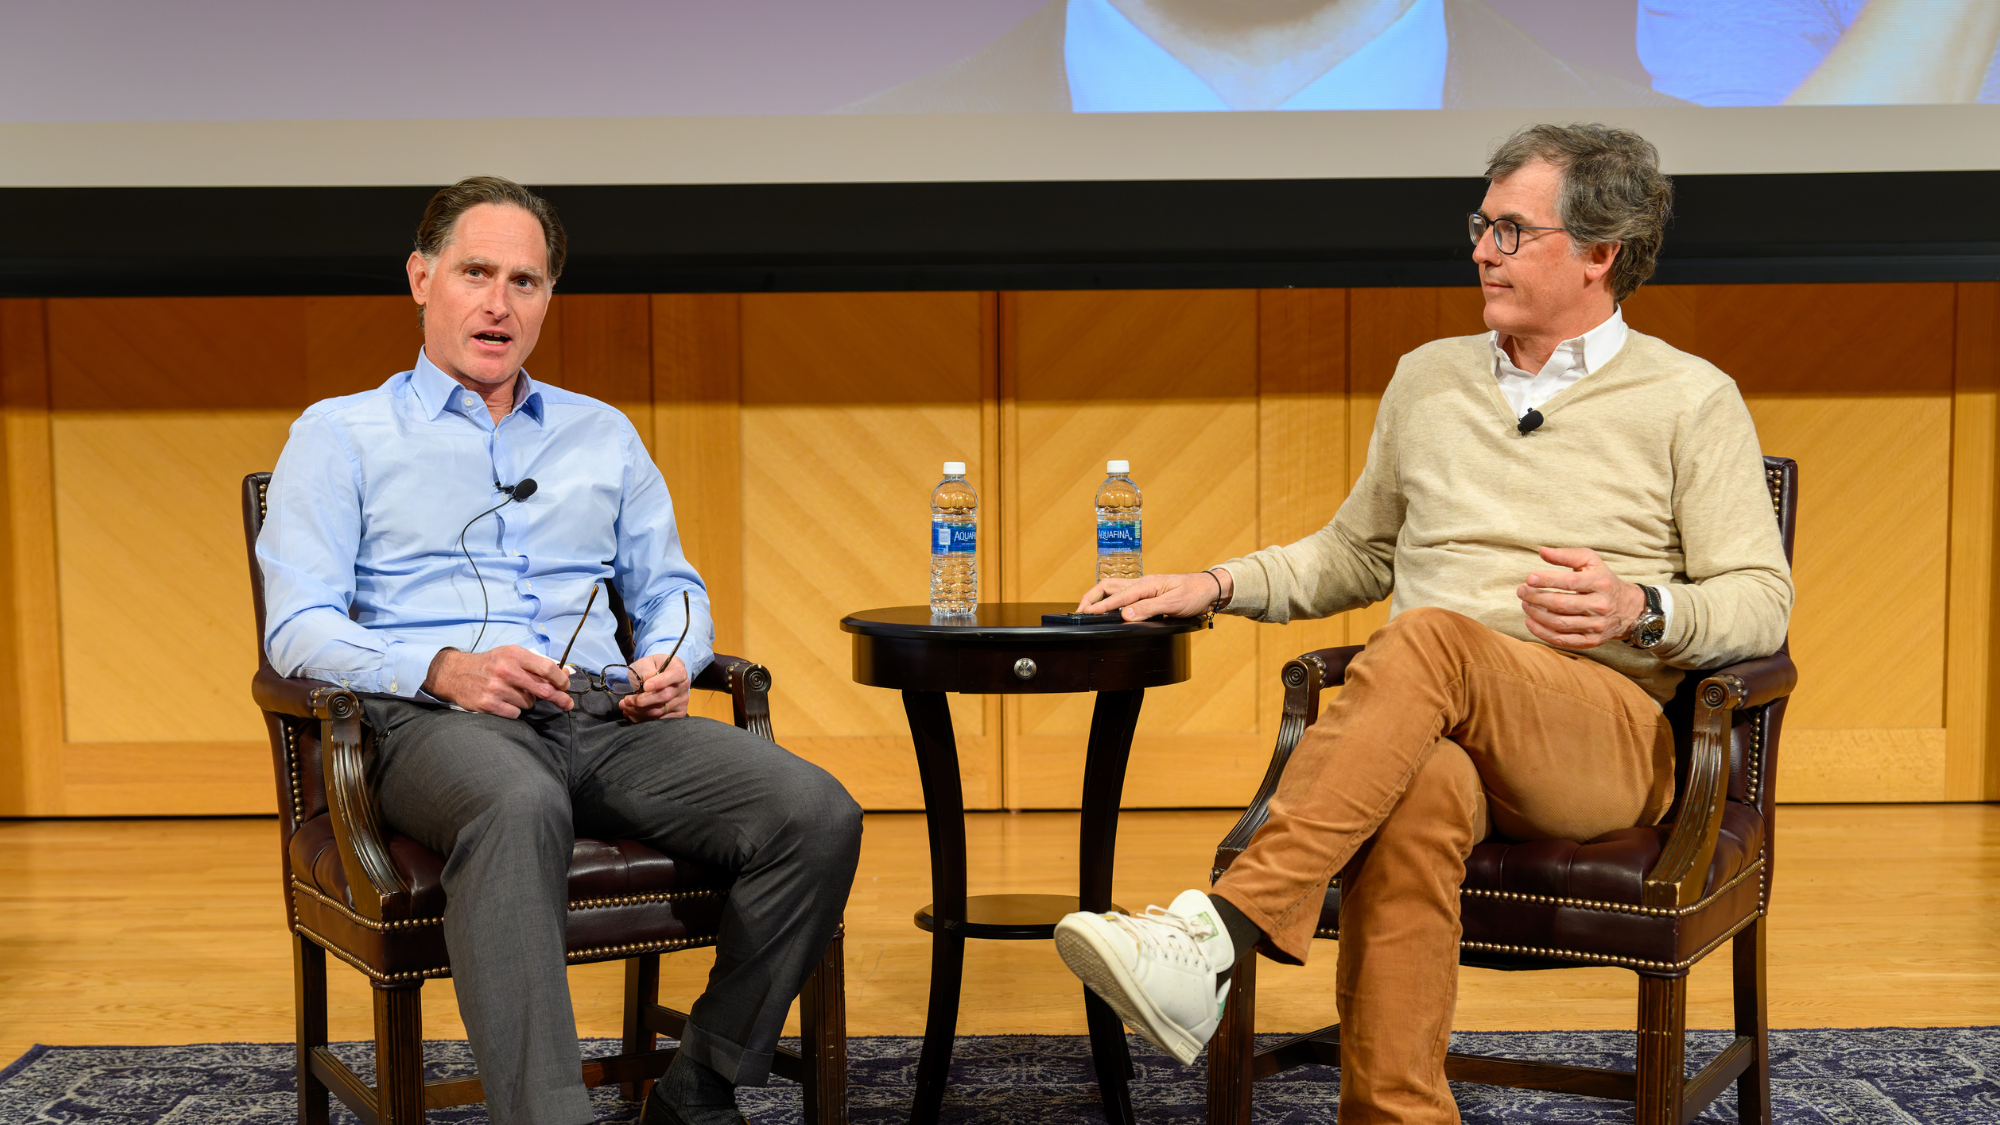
(1114, 67)
(363, 579)
(1747, 52)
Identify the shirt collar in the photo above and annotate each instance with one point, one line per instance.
(1582, 354)
(1115, 67)
(437, 391)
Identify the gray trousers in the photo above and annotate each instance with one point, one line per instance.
(503, 800)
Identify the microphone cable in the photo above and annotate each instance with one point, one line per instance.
(520, 491)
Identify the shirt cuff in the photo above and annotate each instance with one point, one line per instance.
(407, 665)
(1676, 633)
(695, 660)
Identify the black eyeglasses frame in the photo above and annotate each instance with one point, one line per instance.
(1477, 224)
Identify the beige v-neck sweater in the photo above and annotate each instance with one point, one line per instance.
(1651, 461)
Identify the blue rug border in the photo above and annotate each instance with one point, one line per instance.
(27, 1060)
(36, 1052)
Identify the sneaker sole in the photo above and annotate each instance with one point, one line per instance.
(1087, 955)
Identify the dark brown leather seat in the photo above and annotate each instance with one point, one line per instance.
(375, 899)
(622, 893)
(1655, 900)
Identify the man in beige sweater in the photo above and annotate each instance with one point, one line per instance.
(1566, 515)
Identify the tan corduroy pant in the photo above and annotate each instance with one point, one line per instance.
(1445, 730)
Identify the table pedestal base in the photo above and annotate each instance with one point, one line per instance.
(955, 916)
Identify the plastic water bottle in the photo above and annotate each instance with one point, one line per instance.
(1118, 554)
(954, 543)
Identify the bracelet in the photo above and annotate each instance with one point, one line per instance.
(1208, 615)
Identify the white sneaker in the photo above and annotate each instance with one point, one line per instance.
(1156, 970)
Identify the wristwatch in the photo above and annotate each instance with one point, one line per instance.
(1651, 627)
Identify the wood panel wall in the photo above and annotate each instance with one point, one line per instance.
(800, 435)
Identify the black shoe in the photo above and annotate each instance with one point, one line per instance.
(656, 1111)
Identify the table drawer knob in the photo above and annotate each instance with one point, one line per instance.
(1025, 669)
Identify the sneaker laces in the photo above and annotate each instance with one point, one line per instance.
(1174, 937)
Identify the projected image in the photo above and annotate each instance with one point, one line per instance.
(371, 60)
(1136, 56)
(1828, 52)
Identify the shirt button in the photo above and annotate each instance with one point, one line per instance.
(529, 585)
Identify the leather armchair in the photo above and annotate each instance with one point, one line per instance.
(1654, 899)
(374, 898)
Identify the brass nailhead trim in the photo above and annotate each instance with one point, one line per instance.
(640, 900)
(410, 923)
(1619, 907)
(344, 955)
(1603, 959)
(670, 945)
(370, 923)
(292, 762)
(1594, 958)
(1757, 753)
(602, 952)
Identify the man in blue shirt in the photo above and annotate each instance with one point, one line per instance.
(489, 751)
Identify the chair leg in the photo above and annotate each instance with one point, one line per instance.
(1662, 1077)
(309, 1009)
(642, 987)
(399, 1054)
(1231, 1052)
(823, 1036)
(1753, 1021)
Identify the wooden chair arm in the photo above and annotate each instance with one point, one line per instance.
(748, 686)
(1303, 677)
(1678, 876)
(372, 879)
(295, 697)
(1765, 680)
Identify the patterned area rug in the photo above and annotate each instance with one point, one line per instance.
(1877, 1076)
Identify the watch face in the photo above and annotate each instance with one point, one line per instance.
(1649, 630)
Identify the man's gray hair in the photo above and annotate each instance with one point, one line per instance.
(1612, 191)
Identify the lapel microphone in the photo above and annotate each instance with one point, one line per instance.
(515, 493)
(1529, 422)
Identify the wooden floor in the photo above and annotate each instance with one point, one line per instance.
(171, 931)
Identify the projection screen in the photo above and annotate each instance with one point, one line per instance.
(235, 93)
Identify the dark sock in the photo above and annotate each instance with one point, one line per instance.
(699, 1095)
(1243, 933)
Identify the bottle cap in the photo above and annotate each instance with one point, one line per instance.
(954, 468)
(1118, 468)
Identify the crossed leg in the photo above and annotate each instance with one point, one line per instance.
(1472, 730)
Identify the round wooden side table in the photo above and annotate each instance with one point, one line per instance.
(1005, 648)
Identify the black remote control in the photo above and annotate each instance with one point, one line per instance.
(1110, 618)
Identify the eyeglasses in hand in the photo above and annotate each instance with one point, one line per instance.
(601, 693)
(1506, 232)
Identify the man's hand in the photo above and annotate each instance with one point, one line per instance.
(504, 681)
(1157, 595)
(663, 692)
(1582, 606)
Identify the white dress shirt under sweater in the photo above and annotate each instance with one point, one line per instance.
(1573, 359)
